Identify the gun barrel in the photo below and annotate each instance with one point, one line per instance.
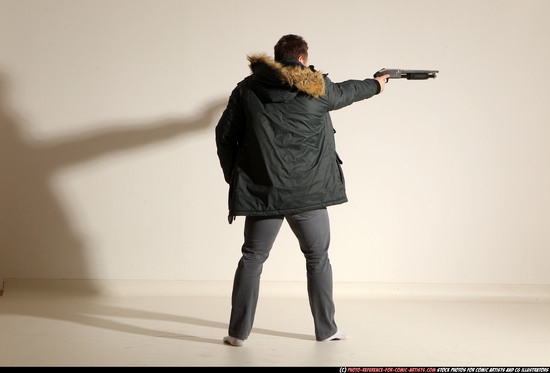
(407, 74)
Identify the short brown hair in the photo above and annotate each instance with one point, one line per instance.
(290, 47)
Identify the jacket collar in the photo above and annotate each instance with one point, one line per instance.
(292, 73)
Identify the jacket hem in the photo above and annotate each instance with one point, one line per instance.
(288, 211)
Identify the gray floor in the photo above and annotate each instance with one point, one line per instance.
(70, 325)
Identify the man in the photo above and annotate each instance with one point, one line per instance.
(275, 142)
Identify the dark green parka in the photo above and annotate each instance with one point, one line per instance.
(275, 139)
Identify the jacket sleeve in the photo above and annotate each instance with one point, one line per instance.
(346, 93)
(228, 134)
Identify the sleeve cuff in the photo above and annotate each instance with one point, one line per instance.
(378, 87)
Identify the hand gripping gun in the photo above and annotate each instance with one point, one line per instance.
(407, 74)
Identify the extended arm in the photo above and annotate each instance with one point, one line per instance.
(345, 93)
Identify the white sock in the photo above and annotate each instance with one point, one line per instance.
(337, 336)
(233, 341)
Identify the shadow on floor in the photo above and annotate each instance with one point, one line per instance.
(91, 311)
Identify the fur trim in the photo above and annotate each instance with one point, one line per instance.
(303, 79)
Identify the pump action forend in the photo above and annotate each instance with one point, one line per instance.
(407, 74)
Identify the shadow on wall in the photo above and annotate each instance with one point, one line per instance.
(36, 236)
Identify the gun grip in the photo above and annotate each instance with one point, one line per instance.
(380, 73)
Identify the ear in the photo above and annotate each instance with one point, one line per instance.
(302, 59)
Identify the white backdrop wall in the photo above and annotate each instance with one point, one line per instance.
(109, 167)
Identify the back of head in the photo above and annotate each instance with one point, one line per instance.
(290, 47)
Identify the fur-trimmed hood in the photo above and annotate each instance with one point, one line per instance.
(296, 76)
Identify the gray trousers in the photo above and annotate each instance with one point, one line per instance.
(312, 228)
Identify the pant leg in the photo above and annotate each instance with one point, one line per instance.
(312, 228)
(259, 236)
